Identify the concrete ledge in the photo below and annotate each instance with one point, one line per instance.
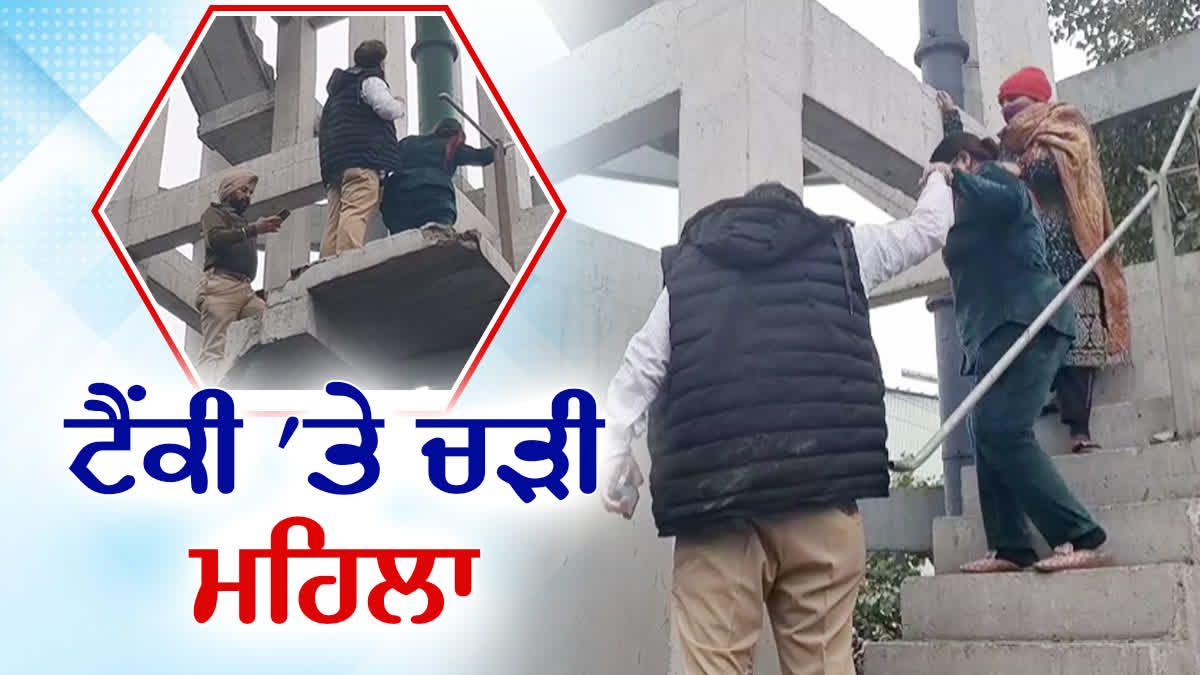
(1150, 657)
(1138, 534)
(1147, 602)
(1159, 472)
(1137, 81)
(418, 303)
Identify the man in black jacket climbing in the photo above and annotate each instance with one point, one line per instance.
(757, 381)
(357, 145)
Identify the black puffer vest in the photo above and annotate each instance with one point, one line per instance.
(773, 401)
(351, 135)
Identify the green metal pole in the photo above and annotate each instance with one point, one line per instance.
(436, 56)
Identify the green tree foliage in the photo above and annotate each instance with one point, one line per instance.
(1109, 30)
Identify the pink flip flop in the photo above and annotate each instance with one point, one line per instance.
(990, 565)
(1067, 558)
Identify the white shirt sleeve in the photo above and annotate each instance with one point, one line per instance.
(640, 377)
(885, 251)
(377, 95)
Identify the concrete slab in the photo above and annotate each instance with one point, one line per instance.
(1139, 533)
(401, 312)
(1116, 603)
(1142, 657)
(1159, 472)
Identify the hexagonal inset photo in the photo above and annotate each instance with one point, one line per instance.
(329, 197)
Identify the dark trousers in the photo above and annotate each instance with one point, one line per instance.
(1016, 478)
(1073, 385)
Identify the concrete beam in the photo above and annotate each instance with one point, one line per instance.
(290, 178)
(614, 139)
(227, 66)
(618, 74)
(578, 22)
(172, 279)
(644, 165)
(320, 22)
(1140, 80)
(896, 203)
(240, 130)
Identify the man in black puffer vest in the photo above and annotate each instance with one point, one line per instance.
(766, 421)
(357, 146)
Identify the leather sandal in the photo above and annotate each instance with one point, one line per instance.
(1066, 557)
(990, 565)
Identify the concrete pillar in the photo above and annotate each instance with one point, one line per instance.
(1005, 36)
(142, 177)
(436, 54)
(506, 187)
(390, 31)
(295, 120)
(296, 72)
(744, 67)
(288, 248)
(520, 186)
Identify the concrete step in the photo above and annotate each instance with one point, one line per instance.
(1145, 602)
(1157, 472)
(1145, 657)
(1138, 533)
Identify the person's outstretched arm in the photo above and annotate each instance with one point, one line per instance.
(469, 156)
(885, 251)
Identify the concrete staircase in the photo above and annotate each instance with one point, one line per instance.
(1141, 617)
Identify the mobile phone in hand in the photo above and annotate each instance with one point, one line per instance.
(626, 490)
(283, 215)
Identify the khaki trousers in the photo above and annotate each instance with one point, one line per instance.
(805, 569)
(221, 300)
(351, 205)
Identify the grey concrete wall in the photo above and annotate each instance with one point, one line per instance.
(1147, 376)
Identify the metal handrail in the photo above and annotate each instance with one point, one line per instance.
(908, 465)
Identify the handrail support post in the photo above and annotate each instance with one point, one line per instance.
(1168, 293)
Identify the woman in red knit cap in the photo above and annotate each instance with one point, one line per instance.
(1054, 146)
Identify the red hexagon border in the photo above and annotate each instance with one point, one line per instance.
(559, 212)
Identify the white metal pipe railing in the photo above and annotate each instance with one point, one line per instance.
(909, 464)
